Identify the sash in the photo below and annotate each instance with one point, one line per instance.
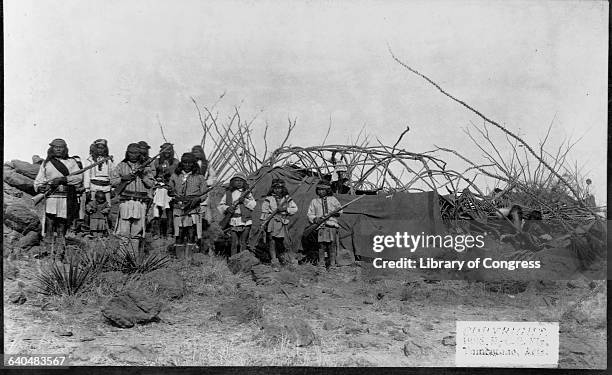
(61, 167)
(72, 204)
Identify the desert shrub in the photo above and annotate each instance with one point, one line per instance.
(64, 279)
(127, 259)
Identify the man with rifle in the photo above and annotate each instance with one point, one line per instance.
(188, 187)
(58, 181)
(132, 179)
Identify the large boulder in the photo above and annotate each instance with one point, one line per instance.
(17, 180)
(295, 331)
(25, 168)
(131, 308)
(20, 217)
(591, 309)
(242, 262)
(166, 282)
(32, 238)
(12, 191)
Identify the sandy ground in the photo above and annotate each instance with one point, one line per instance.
(369, 321)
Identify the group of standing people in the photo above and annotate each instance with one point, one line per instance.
(164, 194)
(168, 197)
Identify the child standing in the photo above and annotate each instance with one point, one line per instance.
(240, 208)
(281, 205)
(98, 210)
(321, 206)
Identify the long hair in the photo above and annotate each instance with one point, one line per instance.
(92, 151)
(141, 157)
(284, 192)
(203, 159)
(195, 169)
(232, 187)
(170, 159)
(50, 155)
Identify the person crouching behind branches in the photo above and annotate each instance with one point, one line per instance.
(241, 219)
(98, 210)
(327, 232)
(187, 186)
(277, 202)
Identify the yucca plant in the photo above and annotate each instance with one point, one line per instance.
(129, 260)
(98, 260)
(64, 279)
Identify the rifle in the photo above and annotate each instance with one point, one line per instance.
(268, 219)
(192, 198)
(312, 227)
(39, 197)
(224, 223)
(121, 187)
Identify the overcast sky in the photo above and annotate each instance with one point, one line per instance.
(83, 70)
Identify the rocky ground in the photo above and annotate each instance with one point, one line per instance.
(213, 312)
(200, 313)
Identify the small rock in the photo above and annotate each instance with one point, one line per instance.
(428, 326)
(242, 262)
(449, 341)
(65, 333)
(131, 308)
(331, 325)
(83, 339)
(21, 218)
(352, 329)
(294, 330)
(18, 297)
(411, 348)
(368, 301)
(243, 308)
(592, 285)
(31, 239)
(590, 309)
(166, 282)
(571, 285)
(288, 258)
(198, 259)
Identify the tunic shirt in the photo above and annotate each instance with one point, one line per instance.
(249, 202)
(187, 185)
(277, 225)
(100, 174)
(57, 203)
(137, 188)
(320, 207)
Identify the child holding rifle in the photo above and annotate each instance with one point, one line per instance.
(240, 206)
(275, 211)
(319, 208)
